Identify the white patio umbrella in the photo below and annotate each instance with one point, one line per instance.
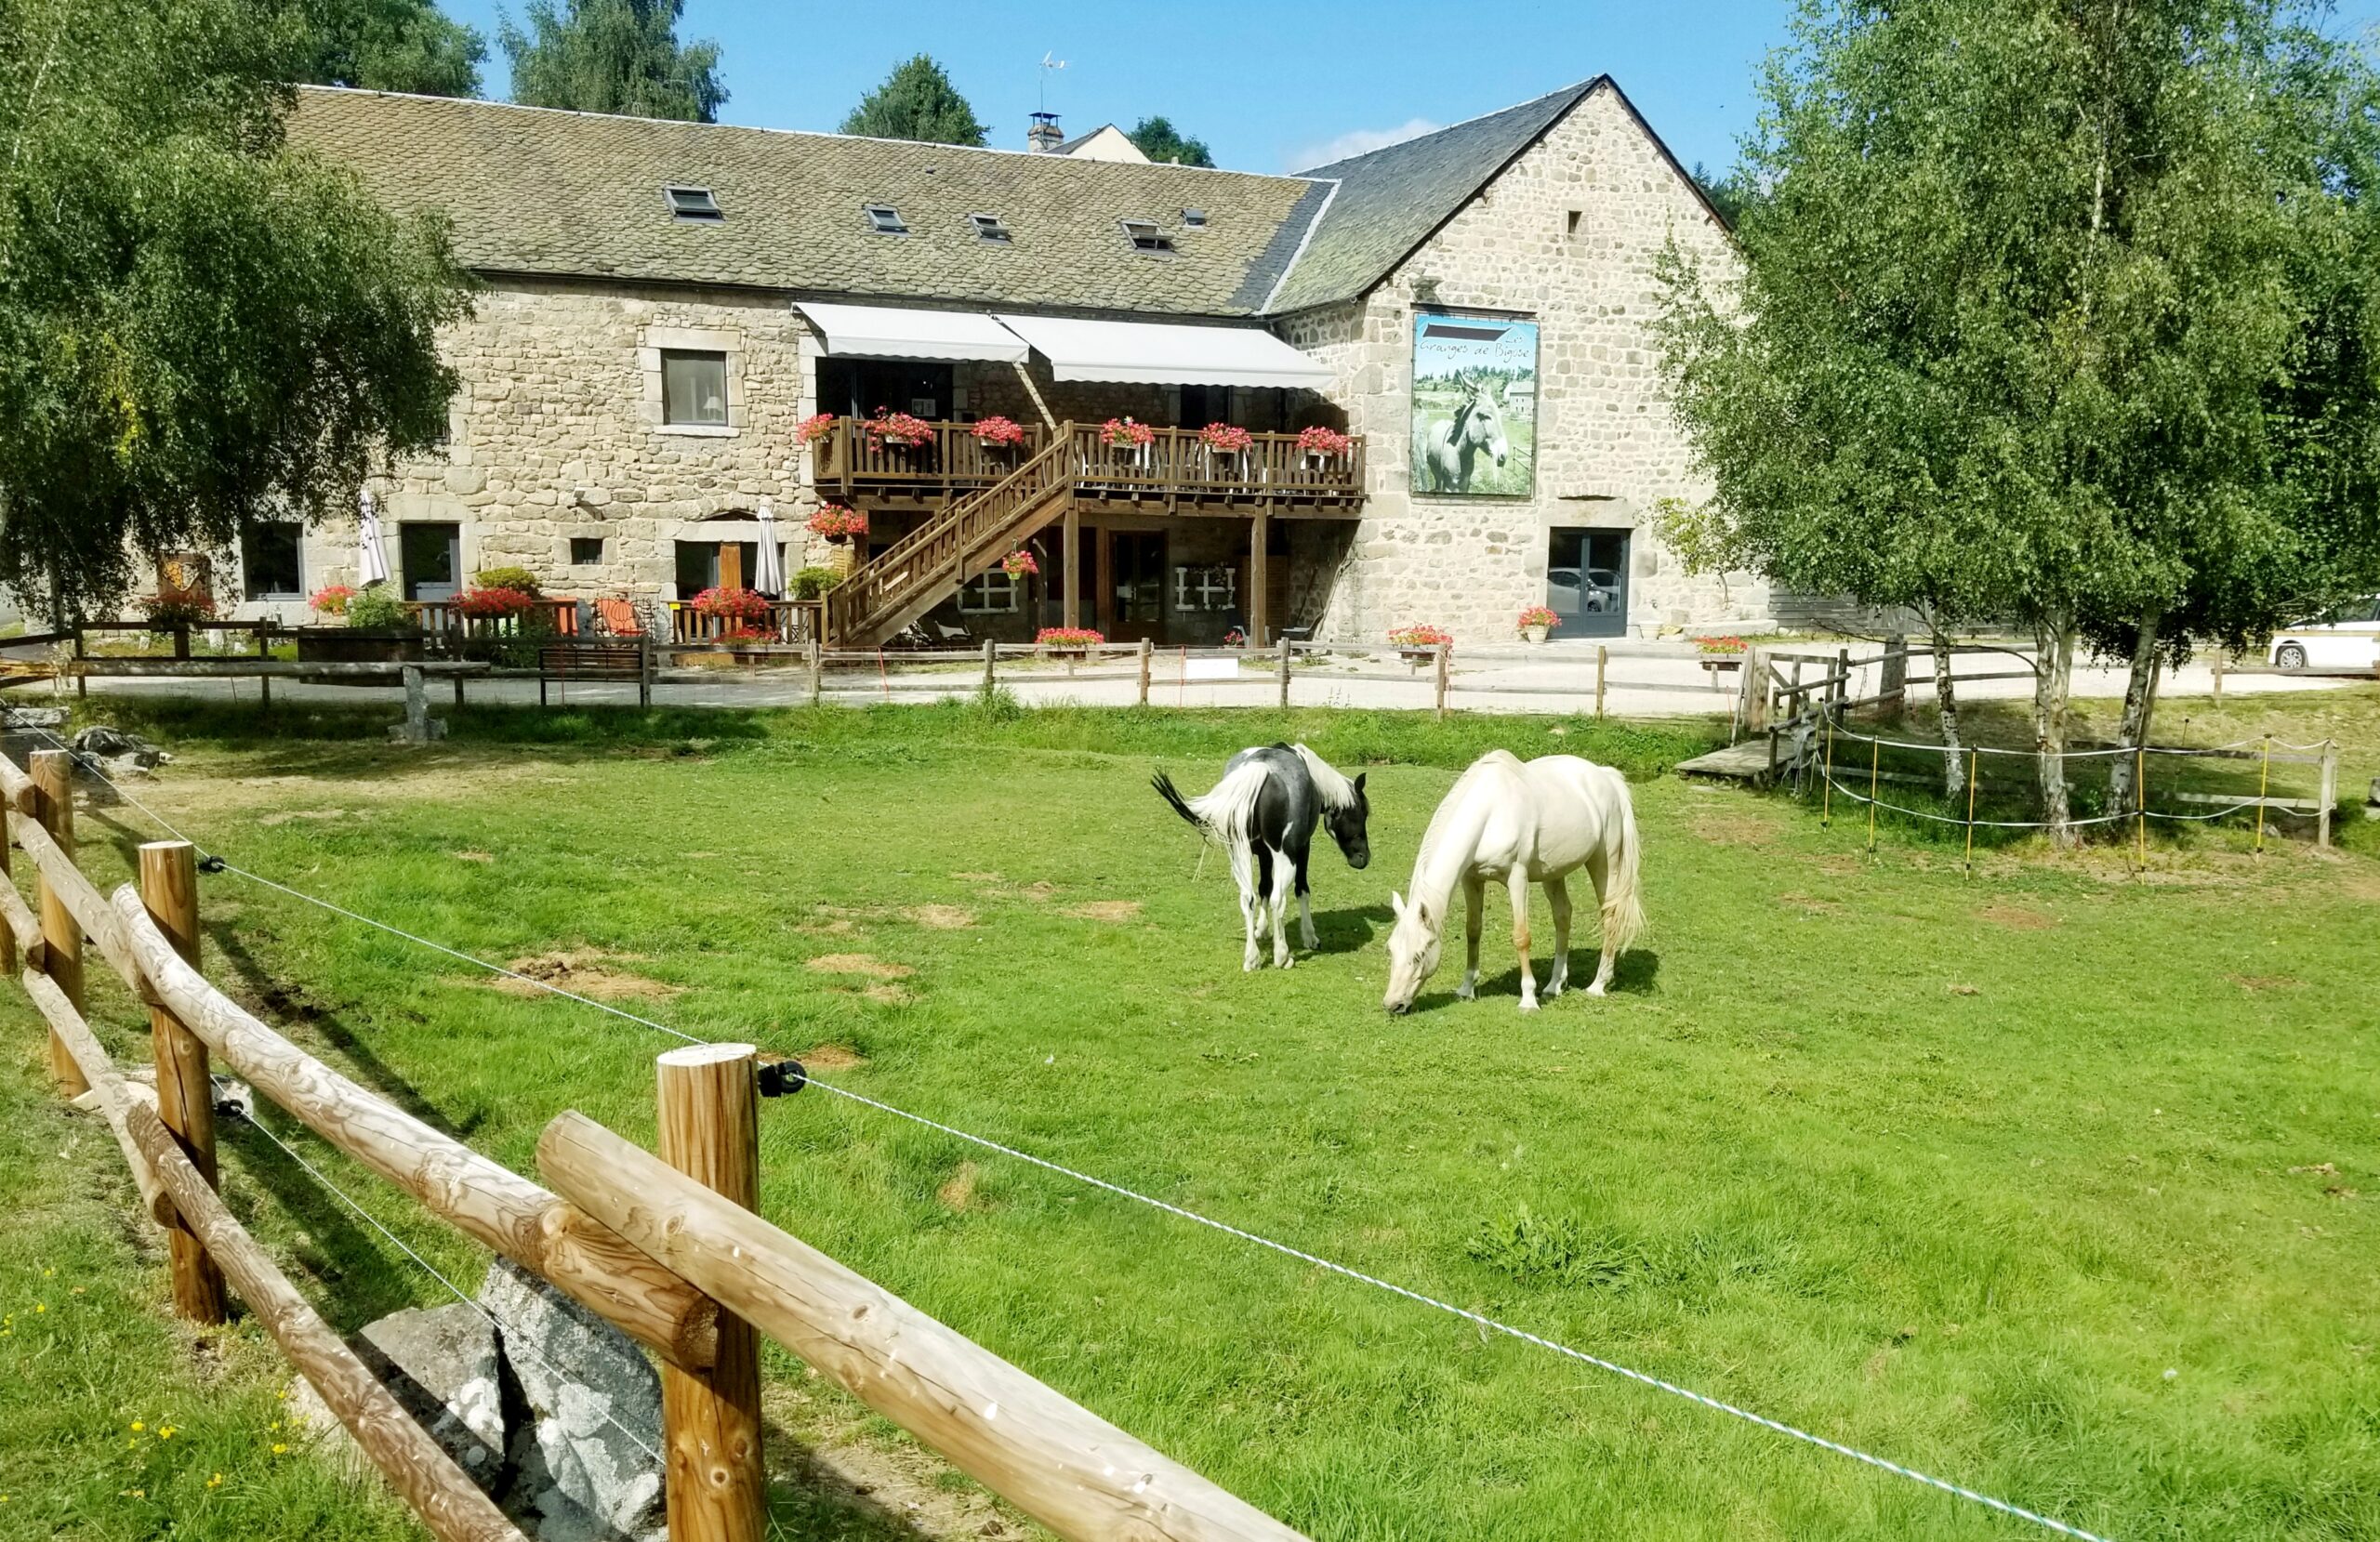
(768, 574)
(371, 562)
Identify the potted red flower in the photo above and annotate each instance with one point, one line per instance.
(1320, 444)
(998, 432)
(1419, 644)
(1122, 433)
(817, 426)
(1068, 642)
(331, 600)
(1020, 565)
(1536, 621)
(736, 606)
(900, 429)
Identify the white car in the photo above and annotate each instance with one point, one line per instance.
(2348, 638)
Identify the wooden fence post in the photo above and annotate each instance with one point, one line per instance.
(1285, 671)
(710, 1131)
(2329, 794)
(9, 964)
(1892, 684)
(1603, 667)
(185, 1092)
(992, 665)
(817, 672)
(1147, 648)
(61, 936)
(2218, 673)
(1444, 650)
(1755, 690)
(644, 672)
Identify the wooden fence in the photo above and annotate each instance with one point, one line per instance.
(667, 1249)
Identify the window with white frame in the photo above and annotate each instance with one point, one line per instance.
(994, 594)
(1213, 587)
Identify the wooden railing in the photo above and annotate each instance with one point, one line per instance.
(849, 456)
(447, 619)
(665, 1248)
(1175, 461)
(938, 550)
(789, 621)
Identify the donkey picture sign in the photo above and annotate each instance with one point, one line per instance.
(1474, 406)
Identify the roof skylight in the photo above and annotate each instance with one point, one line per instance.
(694, 204)
(1147, 237)
(886, 219)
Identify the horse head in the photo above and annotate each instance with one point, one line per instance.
(1480, 424)
(1412, 950)
(1346, 826)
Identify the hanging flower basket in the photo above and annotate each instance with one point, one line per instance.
(1122, 433)
(1419, 644)
(836, 522)
(1227, 437)
(1321, 445)
(1020, 565)
(811, 429)
(1537, 621)
(998, 432)
(1235, 639)
(1068, 642)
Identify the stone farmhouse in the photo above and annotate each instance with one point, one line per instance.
(685, 325)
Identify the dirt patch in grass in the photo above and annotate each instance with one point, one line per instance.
(1107, 910)
(2265, 982)
(1726, 826)
(958, 1192)
(2017, 919)
(587, 974)
(830, 1057)
(284, 815)
(1810, 904)
(977, 878)
(942, 917)
(474, 856)
(859, 962)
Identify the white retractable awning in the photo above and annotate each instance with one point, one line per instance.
(1163, 353)
(888, 332)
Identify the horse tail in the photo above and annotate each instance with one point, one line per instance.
(1623, 906)
(1165, 789)
(1225, 814)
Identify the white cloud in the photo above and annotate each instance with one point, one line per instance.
(1361, 141)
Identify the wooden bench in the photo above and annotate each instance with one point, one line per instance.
(594, 659)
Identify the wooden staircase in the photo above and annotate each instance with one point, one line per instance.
(964, 541)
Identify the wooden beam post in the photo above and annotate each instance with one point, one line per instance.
(61, 935)
(710, 1131)
(1146, 649)
(10, 963)
(1442, 654)
(1285, 673)
(1103, 582)
(1072, 609)
(991, 665)
(2329, 794)
(817, 672)
(1259, 586)
(1892, 686)
(185, 1093)
(1603, 667)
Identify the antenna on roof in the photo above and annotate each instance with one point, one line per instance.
(1051, 64)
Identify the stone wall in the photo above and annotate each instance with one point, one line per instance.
(1567, 236)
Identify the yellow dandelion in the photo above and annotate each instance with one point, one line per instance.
(216, 1482)
(41, 1306)
(138, 1427)
(78, 1290)
(140, 1494)
(275, 1425)
(165, 1432)
(280, 1450)
(49, 1273)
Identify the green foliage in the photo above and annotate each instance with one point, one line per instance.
(198, 327)
(1728, 194)
(916, 101)
(2058, 314)
(613, 55)
(377, 608)
(810, 583)
(1157, 139)
(517, 579)
(389, 46)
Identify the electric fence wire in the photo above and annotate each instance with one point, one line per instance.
(1479, 1320)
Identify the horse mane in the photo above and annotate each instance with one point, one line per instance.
(1443, 814)
(1336, 790)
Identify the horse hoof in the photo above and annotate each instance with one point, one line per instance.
(1527, 1005)
(1594, 990)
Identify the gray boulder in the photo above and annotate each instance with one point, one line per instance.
(443, 1366)
(122, 750)
(587, 1453)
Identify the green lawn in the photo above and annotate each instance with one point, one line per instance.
(2019, 1179)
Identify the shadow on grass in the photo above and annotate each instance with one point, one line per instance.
(373, 1278)
(1348, 930)
(809, 1500)
(1635, 975)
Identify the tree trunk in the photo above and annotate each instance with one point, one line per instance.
(2139, 702)
(1946, 703)
(2053, 678)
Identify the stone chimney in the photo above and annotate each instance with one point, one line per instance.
(1043, 138)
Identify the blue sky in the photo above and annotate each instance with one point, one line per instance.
(1270, 90)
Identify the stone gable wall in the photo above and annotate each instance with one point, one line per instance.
(1607, 447)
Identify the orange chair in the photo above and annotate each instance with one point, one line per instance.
(618, 618)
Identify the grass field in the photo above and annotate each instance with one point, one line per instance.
(2053, 1181)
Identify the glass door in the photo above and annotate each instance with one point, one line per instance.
(432, 559)
(1139, 585)
(1586, 582)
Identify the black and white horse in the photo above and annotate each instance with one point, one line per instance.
(1263, 812)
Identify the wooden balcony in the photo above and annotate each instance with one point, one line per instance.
(447, 619)
(789, 621)
(1175, 472)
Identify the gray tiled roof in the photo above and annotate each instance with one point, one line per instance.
(1389, 201)
(532, 191)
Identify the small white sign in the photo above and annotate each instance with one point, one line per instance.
(1211, 669)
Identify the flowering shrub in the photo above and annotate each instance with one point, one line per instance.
(1017, 564)
(1539, 616)
(742, 605)
(1319, 440)
(1235, 639)
(1422, 636)
(1720, 644)
(889, 427)
(493, 602)
(330, 600)
(508, 578)
(377, 608)
(1226, 436)
(1068, 637)
(811, 429)
(1122, 433)
(1000, 431)
(838, 523)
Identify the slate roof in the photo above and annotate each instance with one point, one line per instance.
(540, 193)
(1391, 200)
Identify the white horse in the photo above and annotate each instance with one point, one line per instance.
(1520, 823)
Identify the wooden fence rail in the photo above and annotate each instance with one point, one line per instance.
(1089, 1481)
